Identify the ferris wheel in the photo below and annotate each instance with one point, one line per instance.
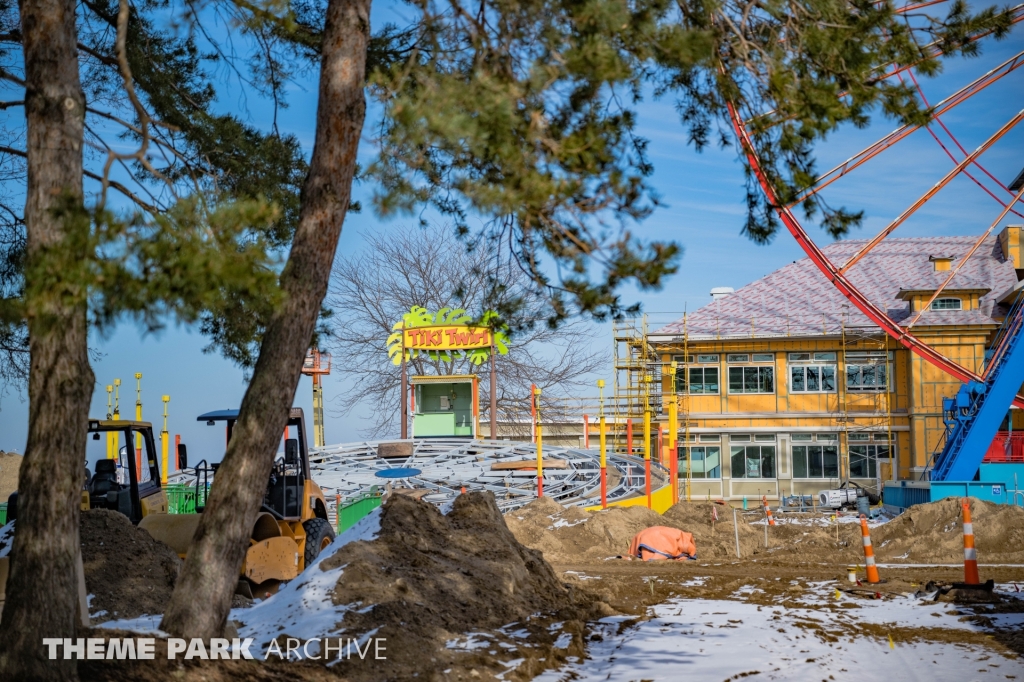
(1006, 199)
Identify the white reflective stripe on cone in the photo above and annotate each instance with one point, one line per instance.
(970, 554)
(867, 540)
(968, 529)
(869, 561)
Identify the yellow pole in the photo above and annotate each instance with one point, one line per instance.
(138, 417)
(110, 415)
(647, 441)
(113, 438)
(165, 442)
(603, 446)
(673, 427)
(540, 446)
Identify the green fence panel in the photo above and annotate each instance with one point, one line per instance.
(3, 514)
(355, 509)
(183, 499)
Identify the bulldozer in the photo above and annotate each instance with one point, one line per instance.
(291, 528)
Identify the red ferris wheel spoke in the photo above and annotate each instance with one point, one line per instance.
(933, 191)
(831, 272)
(963, 261)
(946, 105)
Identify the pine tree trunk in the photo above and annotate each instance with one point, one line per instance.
(202, 598)
(42, 589)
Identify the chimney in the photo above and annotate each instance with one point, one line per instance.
(941, 263)
(1009, 243)
(721, 292)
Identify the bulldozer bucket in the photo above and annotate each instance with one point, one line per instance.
(174, 530)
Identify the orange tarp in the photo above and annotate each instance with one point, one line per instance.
(661, 542)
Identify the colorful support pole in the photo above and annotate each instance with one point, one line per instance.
(138, 417)
(540, 443)
(603, 443)
(647, 455)
(971, 576)
(165, 442)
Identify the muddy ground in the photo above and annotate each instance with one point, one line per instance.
(463, 597)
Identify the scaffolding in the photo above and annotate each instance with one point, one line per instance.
(637, 382)
(868, 413)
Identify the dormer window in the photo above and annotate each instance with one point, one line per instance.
(942, 263)
(947, 304)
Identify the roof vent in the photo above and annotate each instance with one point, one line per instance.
(721, 292)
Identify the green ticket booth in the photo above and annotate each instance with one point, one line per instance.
(444, 406)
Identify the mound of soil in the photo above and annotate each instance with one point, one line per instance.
(430, 577)
(127, 572)
(10, 464)
(933, 533)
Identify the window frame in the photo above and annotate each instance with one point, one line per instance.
(870, 460)
(745, 451)
(684, 379)
(759, 372)
(681, 454)
(945, 299)
(808, 450)
(820, 369)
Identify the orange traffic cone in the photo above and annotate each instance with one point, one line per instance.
(463, 490)
(767, 511)
(970, 554)
(869, 552)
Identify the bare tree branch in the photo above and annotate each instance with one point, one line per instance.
(430, 267)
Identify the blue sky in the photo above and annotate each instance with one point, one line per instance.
(703, 211)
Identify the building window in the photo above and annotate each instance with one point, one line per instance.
(752, 379)
(737, 357)
(947, 304)
(710, 438)
(707, 359)
(801, 437)
(701, 380)
(812, 378)
(753, 461)
(864, 460)
(867, 371)
(815, 461)
(763, 357)
(705, 461)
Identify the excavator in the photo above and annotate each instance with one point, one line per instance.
(291, 528)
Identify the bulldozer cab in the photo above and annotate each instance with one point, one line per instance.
(291, 493)
(129, 484)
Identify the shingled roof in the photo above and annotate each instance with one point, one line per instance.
(797, 300)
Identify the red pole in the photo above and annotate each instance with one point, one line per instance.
(586, 433)
(629, 436)
(673, 472)
(604, 487)
(177, 442)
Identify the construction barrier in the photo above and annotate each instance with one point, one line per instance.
(355, 509)
(185, 499)
(869, 552)
(767, 511)
(970, 554)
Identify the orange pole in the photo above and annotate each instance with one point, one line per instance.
(177, 442)
(586, 433)
(629, 436)
(970, 554)
(869, 552)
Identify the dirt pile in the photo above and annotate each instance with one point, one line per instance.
(933, 533)
(568, 534)
(127, 572)
(441, 589)
(10, 464)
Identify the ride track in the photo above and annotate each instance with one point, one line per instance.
(837, 274)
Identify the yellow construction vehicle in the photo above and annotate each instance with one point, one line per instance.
(291, 528)
(130, 484)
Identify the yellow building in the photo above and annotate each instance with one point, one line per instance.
(784, 387)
